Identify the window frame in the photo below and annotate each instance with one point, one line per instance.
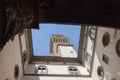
(46, 70)
(77, 72)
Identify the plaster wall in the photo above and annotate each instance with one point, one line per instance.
(9, 57)
(23, 42)
(112, 69)
(88, 51)
(96, 63)
(88, 59)
(56, 69)
(67, 51)
(24, 48)
(54, 78)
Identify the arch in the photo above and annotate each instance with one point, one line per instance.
(92, 31)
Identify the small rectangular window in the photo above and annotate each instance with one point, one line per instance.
(105, 58)
(73, 71)
(41, 70)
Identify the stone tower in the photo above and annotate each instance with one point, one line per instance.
(60, 46)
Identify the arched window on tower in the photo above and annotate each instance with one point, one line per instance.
(61, 40)
(54, 40)
(41, 70)
(73, 70)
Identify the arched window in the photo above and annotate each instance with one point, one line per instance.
(54, 40)
(61, 41)
(88, 58)
(92, 31)
(73, 70)
(41, 70)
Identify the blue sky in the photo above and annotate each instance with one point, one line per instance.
(41, 37)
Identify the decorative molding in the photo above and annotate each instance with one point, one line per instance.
(16, 71)
(100, 72)
(57, 75)
(53, 59)
(118, 47)
(106, 39)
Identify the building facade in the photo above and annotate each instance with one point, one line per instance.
(98, 57)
